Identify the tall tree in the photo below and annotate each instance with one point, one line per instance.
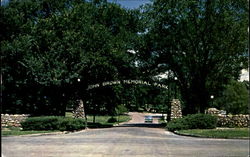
(202, 42)
(57, 43)
(234, 99)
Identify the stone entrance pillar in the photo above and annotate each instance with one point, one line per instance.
(79, 111)
(175, 109)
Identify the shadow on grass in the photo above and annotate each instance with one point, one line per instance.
(99, 125)
(148, 125)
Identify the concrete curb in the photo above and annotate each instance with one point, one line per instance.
(47, 134)
(199, 136)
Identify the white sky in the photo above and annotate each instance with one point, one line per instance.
(244, 75)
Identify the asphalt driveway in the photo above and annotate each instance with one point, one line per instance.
(127, 140)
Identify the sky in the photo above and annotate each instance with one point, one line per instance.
(130, 4)
(244, 75)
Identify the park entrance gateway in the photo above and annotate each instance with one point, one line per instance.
(175, 103)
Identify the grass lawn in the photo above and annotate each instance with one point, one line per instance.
(218, 133)
(103, 119)
(15, 131)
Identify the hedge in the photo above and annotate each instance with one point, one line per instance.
(194, 121)
(52, 123)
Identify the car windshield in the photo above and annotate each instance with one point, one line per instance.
(148, 117)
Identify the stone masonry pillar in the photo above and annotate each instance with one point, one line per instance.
(175, 109)
(79, 111)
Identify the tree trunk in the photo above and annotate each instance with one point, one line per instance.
(94, 118)
(85, 117)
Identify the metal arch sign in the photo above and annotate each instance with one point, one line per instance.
(137, 82)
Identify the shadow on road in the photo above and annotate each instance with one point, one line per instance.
(148, 125)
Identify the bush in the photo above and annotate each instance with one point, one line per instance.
(201, 121)
(40, 123)
(112, 120)
(52, 123)
(177, 124)
(71, 124)
(195, 121)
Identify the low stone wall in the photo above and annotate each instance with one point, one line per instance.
(12, 119)
(233, 120)
(227, 120)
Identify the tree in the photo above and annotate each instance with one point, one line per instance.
(54, 44)
(201, 42)
(120, 109)
(234, 98)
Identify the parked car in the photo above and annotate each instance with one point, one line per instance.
(148, 119)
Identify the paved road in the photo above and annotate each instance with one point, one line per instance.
(128, 140)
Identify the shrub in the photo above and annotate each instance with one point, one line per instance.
(177, 124)
(112, 120)
(40, 123)
(195, 121)
(52, 123)
(201, 121)
(71, 124)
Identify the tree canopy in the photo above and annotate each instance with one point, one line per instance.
(52, 44)
(234, 98)
(201, 42)
(52, 50)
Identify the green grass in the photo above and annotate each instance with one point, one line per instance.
(15, 131)
(218, 133)
(103, 119)
(124, 118)
(69, 114)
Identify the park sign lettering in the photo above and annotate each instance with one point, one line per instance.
(137, 82)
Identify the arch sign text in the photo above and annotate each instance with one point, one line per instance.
(137, 82)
